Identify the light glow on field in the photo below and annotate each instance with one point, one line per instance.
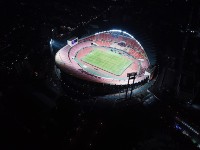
(108, 61)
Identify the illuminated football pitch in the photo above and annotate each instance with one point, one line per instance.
(108, 61)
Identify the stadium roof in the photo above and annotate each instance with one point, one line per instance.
(115, 31)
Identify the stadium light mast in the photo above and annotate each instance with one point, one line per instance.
(131, 76)
(51, 46)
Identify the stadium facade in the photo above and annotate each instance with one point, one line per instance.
(105, 58)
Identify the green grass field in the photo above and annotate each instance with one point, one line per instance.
(108, 61)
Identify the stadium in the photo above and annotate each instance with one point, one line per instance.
(106, 58)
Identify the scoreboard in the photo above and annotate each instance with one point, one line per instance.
(73, 41)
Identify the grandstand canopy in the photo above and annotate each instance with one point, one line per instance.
(117, 32)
